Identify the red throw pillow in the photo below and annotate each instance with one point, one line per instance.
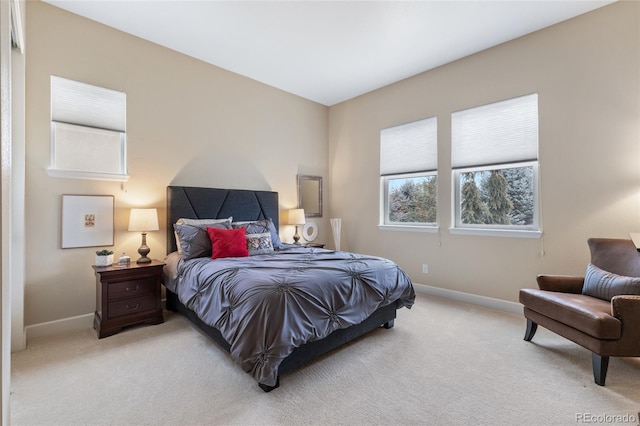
(228, 242)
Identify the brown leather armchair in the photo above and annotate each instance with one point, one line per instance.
(606, 328)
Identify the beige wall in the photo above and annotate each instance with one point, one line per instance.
(188, 123)
(587, 74)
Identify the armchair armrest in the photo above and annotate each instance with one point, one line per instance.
(560, 283)
(626, 308)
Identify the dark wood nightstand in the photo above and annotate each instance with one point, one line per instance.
(127, 295)
(317, 245)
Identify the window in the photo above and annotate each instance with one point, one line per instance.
(408, 174)
(88, 131)
(494, 156)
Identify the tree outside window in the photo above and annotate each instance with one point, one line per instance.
(498, 197)
(412, 200)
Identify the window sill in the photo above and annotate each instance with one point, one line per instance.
(410, 228)
(71, 174)
(509, 233)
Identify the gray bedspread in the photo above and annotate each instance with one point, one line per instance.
(267, 305)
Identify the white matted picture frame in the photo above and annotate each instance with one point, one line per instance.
(87, 220)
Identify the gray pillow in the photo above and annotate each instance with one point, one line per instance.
(197, 222)
(260, 227)
(604, 285)
(194, 240)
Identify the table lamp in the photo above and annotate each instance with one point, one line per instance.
(143, 220)
(296, 217)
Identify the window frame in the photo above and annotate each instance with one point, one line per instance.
(78, 107)
(55, 171)
(522, 231)
(408, 141)
(385, 223)
(492, 136)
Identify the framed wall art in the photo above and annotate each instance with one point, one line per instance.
(87, 220)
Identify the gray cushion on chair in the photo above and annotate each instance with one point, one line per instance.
(605, 285)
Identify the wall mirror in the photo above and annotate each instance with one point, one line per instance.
(310, 195)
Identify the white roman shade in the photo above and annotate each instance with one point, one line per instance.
(88, 131)
(83, 104)
(498, 133)
(409, 148)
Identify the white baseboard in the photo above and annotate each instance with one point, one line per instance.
(474, 299)
(19, 342)
(64, 325)
(83, 322)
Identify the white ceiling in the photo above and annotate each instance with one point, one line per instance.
(328, 51)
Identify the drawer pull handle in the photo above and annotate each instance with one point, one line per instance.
(136, 306)
(136, 288)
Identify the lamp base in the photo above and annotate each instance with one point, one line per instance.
(296, 237)
(144, 250)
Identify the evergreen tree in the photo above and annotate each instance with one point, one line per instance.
(428, 200)
(521, 194)
(498, 203)
(400, 201)
(414, 201)
(473, 209)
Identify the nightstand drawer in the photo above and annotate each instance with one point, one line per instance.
(131, 288)
(131, 306)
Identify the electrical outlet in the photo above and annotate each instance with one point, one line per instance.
(425, 268)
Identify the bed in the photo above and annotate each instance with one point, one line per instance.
(281, 305)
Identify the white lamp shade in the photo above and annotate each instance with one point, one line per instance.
(296, 217)
(143, 220)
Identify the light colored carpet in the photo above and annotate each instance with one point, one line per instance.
(444, 363)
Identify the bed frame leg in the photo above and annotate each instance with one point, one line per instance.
(389, 324)
(268, 388)
(170, 301)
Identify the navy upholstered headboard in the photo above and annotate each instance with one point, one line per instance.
(214, 203)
